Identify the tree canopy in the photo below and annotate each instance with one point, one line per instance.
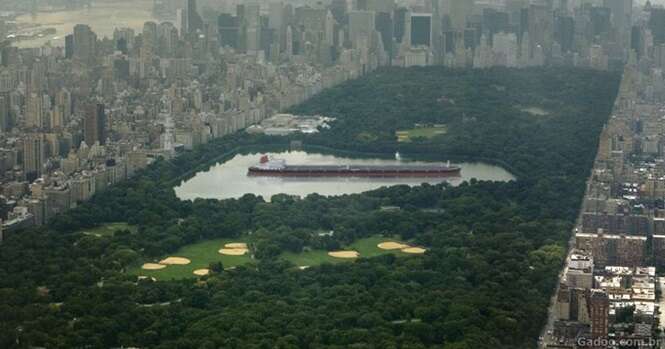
(495, 248)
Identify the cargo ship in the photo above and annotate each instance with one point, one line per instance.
(278, 168)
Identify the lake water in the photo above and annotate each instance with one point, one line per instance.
(102, 17)
(230, 179)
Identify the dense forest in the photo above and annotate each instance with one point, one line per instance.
(494, 248)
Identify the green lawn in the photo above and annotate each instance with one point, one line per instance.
(201, 254)
(367, 248)
(108, 229)
(310, 258)
(420, 132)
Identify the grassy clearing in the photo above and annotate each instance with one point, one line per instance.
(420, 132)
(311, 258)
(108, 229)
(367, 248)
(201, 254)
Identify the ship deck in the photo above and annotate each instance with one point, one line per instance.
(364, 168)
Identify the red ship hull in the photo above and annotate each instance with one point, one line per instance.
(451, 172)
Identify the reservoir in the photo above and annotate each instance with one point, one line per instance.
(103, 17)
(230, 180)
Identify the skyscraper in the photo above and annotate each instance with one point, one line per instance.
(622, 14)
(421, 29)
(540, 24)
(599, 309)
(33, 111)
(194, 20)
(399, 18)
(252, 27)
(565, 32)
(34, 154)
(69, 46)
(657, 25)
(149, 44)
(94, 124)
(601, 24)
(5, 116)
(437, 32)
(361, 24)
(459, 11)
(277, 22)
(85, 41)
(228, 30)
(339, 9)
(384, 25)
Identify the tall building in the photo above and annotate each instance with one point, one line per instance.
(63, 100)
(181, 21)
(659, 250)
(94, 124)
(421, 29)
(459, 11)
(540, 24)
(384, 25)
(194, 20)
(228, 30)
(5, 116)
(494, 21)
(69, 46)
(252, 27)
(437, 31)
(85, 42)
(622, 15)
(339, 9)
(361, 24)
(399, 17)
(657, 25)
(601, 22)
(599, 311)
(149, 43)
(277, 22)
(34, 154)
(505, 49)
(34, 114)
(564, 32)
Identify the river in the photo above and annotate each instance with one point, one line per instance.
(229, 179)
(102, 17)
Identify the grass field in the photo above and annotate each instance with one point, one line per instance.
(311, 258)
(367, 248)
(108, 229)
(420, 132)
(201, 254)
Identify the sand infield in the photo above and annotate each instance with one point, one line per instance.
(414, 250)
(201, 272)
(390, 245)
(153, 266)
(175, 261)
(236, 245)
(233, 251)
(344, 254)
